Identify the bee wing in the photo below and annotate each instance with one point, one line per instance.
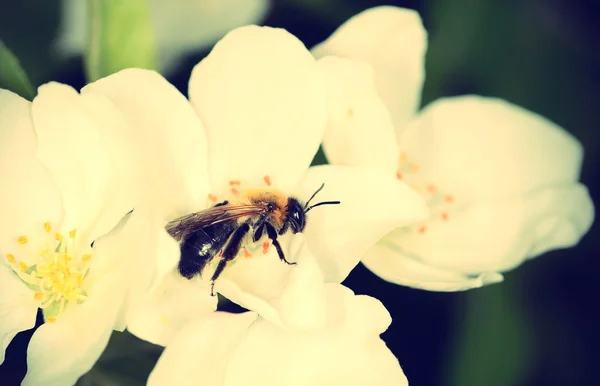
(181, 226)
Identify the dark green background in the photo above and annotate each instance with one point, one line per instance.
(541, 325)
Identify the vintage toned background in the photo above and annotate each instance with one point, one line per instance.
(541, 325)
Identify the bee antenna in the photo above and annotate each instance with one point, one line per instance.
(313, 196)
(321, 203)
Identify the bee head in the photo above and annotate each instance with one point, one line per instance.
(296, 216)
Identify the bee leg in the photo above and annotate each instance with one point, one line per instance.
(221, 204)
(272, 234)
(229, 253)
(258, 233)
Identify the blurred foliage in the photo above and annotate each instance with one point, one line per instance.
(12, 76)
(120, 36)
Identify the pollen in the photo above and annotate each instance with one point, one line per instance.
(212, 197)
(398, 174)
(234, 183)
(55, 272)
(22, 240)
(11, 258)
(448, 199)
(266, 246)
(444, 216)
(267, 180)
(422, 229)
(247, 253)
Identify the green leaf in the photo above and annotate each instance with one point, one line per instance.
(120, 36)
(494, 343)
(12, 76)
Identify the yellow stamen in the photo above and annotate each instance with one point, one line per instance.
(164, 320)
(86, 257)
(38, 295)
(58, 237)
(47, 227)
(51, 319)
(22, 240)
(72, 233)
(11, 258)
(22, 266)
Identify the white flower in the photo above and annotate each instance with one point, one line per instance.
(180, 26)
(338, 344)
(256, 118)
(60, 169)
(501, 182)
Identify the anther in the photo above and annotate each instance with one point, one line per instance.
(422, 229)
(398, 175)
(163, 319)
(449, 199)
(267, 180)
(444, 216)
(38, 295)
(266, 246)
(212, 197)
(23, 266)
(72, 233)
(86, 257)
(403, 157)
(431, 188)
(11, 258)
(58, 237)
(235, 191)
(51, 319)
(247, 253)
(47, 227)
(414, 168)
(234, 183)
(22, 240)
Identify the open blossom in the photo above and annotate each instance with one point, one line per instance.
(334, 340)
(501, 182)
(180, 26)
(60, 170)
(256, 116)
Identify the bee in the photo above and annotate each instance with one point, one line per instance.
(221, 230)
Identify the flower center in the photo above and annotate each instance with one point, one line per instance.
(53, 269)
(440, 204)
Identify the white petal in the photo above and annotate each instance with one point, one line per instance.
(394, 42)
(360, 131)
(388, 261)
(17, 308)
(200, 353)
(294, 296)
(59, 353)
(189, 25)
(30, 196)
(498, 235)
(372, 204)
(73, 145)
(167, 138)
(473, 147)
(262, 99)
(168, 308)
(348, 351)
